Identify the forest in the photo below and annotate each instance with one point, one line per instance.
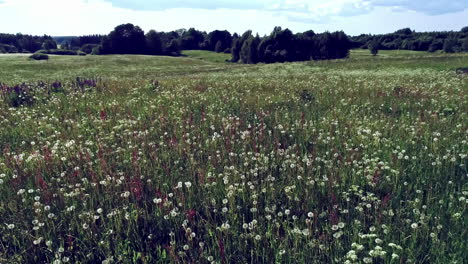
(282, 45)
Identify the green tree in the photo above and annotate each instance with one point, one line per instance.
(49, 44)
(237, 45)
(153, 43)
(125, 39)
(465, 45)
(219, 46)
(374, 47)
(449, 45)
(249, 50)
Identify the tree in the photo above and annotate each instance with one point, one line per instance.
(49, 44)
(219, 46)
(237, 45)
(404, 31)
(465, 45)
(249, 50)
(437, 44)
(217, 35)
(374, 47)
(173, 48)
(449, 45)
(153, 43)
(125, 39)
(191, 39)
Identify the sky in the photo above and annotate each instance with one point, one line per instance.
(82, 17)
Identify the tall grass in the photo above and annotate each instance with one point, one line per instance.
(286, 163)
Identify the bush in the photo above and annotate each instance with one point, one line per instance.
(88, 48)
(5, 48)
(39, 56)
(81, 53)
(58, 52)
(97, 50)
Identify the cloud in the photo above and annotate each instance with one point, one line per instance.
(430, 7)
(157, 5)
(312, 7)
(81, 17)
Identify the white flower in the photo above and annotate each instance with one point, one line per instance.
(188, 184)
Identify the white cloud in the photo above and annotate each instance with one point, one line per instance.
(79, 17)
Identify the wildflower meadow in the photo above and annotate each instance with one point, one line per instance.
(141, 159)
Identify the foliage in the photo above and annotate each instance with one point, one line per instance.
(374, 48)
(153, 43)
(192, 39)
(88, 48)
(124, 39)
(25, 43)
(39, 56)
(449, 45)
(58, 52)
(49, 44)
(410, 40)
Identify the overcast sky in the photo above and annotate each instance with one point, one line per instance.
(80, 17)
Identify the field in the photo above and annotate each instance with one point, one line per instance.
(140, 159)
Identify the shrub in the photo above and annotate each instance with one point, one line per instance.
(39, 56)
(58, 52)
(88, 48)
(5, 48)
(97, 50)
(374, 47)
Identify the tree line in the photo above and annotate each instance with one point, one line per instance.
(407, 39)
(281, 45)
(19, 43)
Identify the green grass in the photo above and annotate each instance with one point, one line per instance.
(187, 160)
(389, 53)
(208, 55)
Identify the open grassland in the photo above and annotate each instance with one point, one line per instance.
(187, 160)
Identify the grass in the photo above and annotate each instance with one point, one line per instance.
(207, 55)
(186, 160)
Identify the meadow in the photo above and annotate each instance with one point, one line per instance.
(142, 159)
